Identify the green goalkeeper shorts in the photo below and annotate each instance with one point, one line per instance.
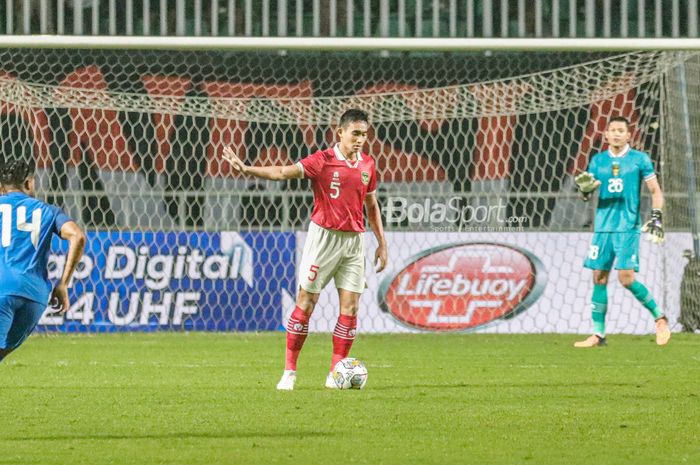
(621, 248)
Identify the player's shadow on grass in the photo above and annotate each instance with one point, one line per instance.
(183, 435)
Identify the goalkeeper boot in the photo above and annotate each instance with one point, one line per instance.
(330, 382)
(663, 333)
(289, 377)
(592, 341)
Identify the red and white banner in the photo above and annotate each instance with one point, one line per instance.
(501, 283)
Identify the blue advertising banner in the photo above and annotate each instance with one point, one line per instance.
(145, 281)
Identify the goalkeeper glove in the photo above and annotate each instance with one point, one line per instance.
(654, 228)
(586, 184)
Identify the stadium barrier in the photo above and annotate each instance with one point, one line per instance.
(462, 281)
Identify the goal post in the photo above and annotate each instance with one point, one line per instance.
(475, 148)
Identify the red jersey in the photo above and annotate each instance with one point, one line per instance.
(340, 187)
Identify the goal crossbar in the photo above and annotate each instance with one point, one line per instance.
(346, 43)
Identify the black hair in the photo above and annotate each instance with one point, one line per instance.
(619, 119)
(352, 116)
(14, 172)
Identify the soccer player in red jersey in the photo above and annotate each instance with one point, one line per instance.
(343, 180)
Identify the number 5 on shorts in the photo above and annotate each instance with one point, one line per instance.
(313, 272)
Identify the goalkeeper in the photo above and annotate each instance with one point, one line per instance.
(617, 174)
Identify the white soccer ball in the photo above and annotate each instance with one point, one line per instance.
(350, 373)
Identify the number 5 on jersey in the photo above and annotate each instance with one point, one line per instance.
(335, 185)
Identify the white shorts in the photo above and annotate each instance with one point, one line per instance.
(328, 254)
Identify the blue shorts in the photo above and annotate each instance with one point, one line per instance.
(608, 247)
(18, 318)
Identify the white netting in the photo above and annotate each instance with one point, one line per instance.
(297, 105)
(469, 148)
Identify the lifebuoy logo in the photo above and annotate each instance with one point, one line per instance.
(464, 286)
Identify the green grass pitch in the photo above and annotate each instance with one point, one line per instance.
(462, 399)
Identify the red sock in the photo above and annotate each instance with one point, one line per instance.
(297, 330)
(343, 337)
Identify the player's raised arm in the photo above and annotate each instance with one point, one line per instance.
(71, 232)
(274, 173)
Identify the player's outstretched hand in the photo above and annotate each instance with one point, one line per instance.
(586, 182)
(380, 259)
(654, 228)
(236, 163)
(59, 298)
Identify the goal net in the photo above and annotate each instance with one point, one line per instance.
(475, 154)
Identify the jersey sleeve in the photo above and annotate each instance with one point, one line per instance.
(372, 186)
(647, 168)
(59, 219)
(311, 166)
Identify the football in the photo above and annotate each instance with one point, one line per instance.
(350, 373)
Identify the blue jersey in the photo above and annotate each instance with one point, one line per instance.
(26, 228)
(619, 192)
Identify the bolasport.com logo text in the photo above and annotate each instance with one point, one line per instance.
(454, 214)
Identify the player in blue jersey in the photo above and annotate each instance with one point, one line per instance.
(26, 228)
(619, 173)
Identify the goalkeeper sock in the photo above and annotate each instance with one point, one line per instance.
(343, 337)
(599, 307)
(297, 330)
(642, 294)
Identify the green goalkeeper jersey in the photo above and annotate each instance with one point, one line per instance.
(620, 185)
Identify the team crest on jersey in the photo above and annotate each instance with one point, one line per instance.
(616, 169)
(365, 178)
